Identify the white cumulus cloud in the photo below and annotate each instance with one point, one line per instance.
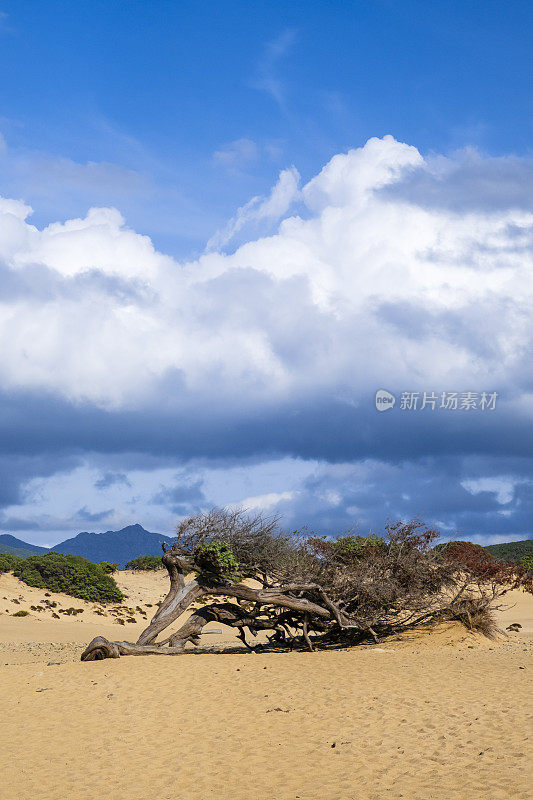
(363, 286)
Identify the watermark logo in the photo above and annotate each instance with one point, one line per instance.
(447, 401)
(384, 400)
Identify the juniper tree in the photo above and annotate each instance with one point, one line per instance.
(303, 590)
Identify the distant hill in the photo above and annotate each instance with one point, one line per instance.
(118, 547)
(16, 547)
(115, 546)
(510, 551)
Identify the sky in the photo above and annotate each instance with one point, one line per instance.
(275, 256)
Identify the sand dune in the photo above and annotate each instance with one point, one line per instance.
(422, 718)
(114, 621)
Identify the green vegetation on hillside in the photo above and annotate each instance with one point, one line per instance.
(511, 551)
(8, 562)
(20, 552)
(145, 563)
(72, 575)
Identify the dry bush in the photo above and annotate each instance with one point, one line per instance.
(475, 614)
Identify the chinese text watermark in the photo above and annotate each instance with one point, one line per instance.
(447, 401)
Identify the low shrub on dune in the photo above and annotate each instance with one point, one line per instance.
(72, 575)
(145, 563)
(107, 567)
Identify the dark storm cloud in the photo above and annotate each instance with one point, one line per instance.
(112, 479)
(182, 495)
(185, 496)
(326, 429)
(369, 494)
(88, 516)
(414, 461)
(16, 469)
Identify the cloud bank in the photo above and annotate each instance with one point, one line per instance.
(387, 270)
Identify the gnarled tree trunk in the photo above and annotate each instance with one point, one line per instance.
(374, 587)
(274, 608)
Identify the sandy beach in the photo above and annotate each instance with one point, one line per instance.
(426, 717)
(266, 337)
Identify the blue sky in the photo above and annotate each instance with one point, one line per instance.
(293, 206)
(159, 88)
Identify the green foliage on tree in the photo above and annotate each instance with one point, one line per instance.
(21, 613)
(356, 546)
(8, 562)
(527, 562)
(217, 558)
(107, 567)
(348, 549)
(71, 575)
(145, 563)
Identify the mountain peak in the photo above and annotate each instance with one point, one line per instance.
(119, 547)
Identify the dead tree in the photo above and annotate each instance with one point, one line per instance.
(305, 591)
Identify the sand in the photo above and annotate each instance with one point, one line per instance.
(426, 717)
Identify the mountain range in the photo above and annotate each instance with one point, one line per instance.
(119, 547)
